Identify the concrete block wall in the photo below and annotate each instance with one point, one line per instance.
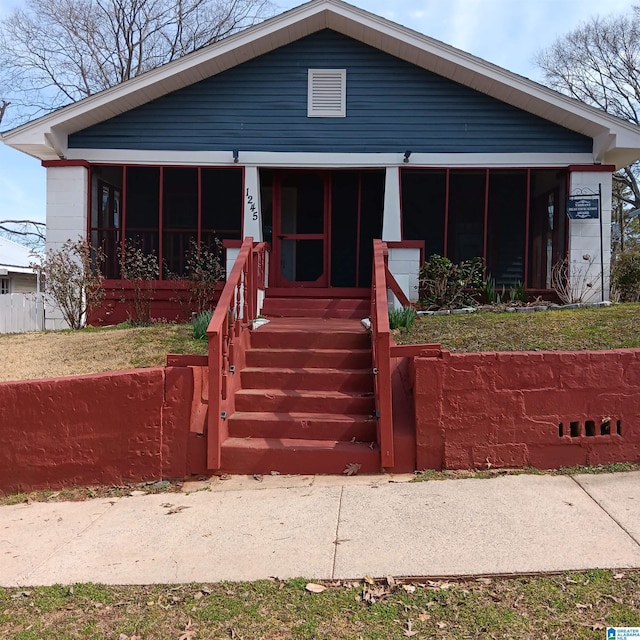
(404, 264)
(110, 428)
(67, 202)
(584, 237)
(539, 409)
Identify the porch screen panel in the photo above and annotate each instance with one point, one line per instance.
(344, 228)
(424, 194)
(106, 216)
(371, 209)
(506, 226)
(221, 205)
(143, 208)
(465, 236)
(180, 216)
(547, 225)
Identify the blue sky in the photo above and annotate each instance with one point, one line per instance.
(505, 32)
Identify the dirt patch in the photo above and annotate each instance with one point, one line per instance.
(66, 353)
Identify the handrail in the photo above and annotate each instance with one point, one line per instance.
(381, 347)
(237, 305)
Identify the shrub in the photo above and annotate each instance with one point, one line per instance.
(203, 271)
(200, 323)
(72, 277)
(446, 284)
(625, 275)
(402, 318)
(142, 270)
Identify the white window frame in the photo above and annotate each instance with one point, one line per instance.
(314, 111)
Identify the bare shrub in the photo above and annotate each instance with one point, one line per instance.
(575, 283)
(72, 278)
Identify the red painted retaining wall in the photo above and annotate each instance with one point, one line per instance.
(98, 429)
(505, 409)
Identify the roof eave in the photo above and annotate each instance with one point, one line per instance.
(46, 137)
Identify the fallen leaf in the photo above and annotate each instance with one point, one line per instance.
(423, 617)
(189, 632)
(409, 632)
(351, 469)
(442, 625)
(597, 627)
(258, 477)
(618, 576)
(390, 581)
(409, 588)
(274, 473)
(582, 606)
(484, 580)
(176, 510)
(315, 588)
(616, 600)
(369, 580)
(198, 595)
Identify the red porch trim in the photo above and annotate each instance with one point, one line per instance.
(66, 163)
(591, 168)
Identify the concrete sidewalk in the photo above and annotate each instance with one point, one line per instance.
(328, 528)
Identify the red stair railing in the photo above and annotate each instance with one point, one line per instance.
(238, 305)
(381, 347)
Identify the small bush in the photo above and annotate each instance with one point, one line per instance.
(446, 284)
(625, 275)
(200, 324)
(402, 318)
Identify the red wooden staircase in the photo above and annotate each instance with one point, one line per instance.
(306, 400)
(308, 392)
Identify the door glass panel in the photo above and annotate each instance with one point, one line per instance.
(302, 260)
(302, 204)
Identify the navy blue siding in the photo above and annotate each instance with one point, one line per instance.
(392, 105)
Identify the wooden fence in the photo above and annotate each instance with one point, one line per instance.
(21, 312)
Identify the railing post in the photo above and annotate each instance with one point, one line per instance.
(381, 347)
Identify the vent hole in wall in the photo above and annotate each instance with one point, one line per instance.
(619, 427)
(560, 430)
(574, 429)
(605, 427)
(590, 428)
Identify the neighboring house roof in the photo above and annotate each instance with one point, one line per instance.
(616, 141)
(14, 257)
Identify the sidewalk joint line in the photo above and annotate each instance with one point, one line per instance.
(637, 542)
(69, 541)
(336, 539)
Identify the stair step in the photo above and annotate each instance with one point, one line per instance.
(319, 334)
(317, 303)
(308, 426)
(303, 312)
(289, 400)
(332, 358)
(264, 455)
(357, 380)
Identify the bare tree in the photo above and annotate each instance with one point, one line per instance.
(59, 51)
(599, 63)
(28, 232)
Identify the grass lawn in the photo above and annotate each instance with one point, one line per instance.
(572, 605)
(92, 350)
(612, 327)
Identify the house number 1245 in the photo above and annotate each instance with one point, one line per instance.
(252, 205)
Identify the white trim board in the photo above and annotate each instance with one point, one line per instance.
(313, 160)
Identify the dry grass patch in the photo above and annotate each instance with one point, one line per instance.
(613, 327)
(64, 353)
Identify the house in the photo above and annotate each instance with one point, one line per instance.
(16, 274)
(322, 129)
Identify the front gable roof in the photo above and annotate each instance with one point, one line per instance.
(615, 141)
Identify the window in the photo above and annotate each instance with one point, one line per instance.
(327, 97)
(4, 286)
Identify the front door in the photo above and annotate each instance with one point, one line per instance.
(300, 234)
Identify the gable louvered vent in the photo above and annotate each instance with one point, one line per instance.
(327, 93)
